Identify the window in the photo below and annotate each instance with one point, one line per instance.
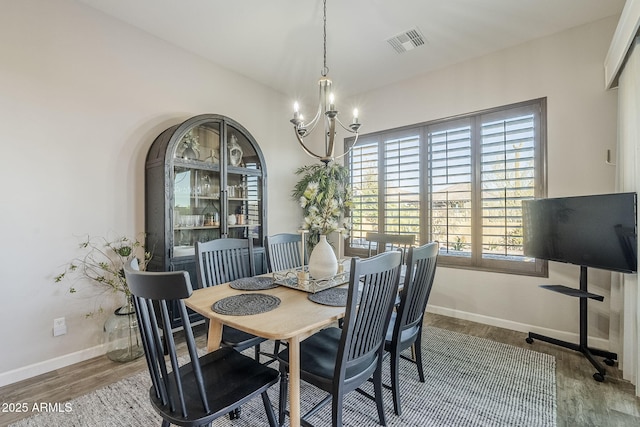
(458, 181)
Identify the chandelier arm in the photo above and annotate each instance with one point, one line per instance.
(306, 150)
(313, 123)
(353, 144)
(348, 129)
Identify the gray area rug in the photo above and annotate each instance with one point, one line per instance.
(469, 382)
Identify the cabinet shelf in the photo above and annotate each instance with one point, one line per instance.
(199, 197)
(201, 227)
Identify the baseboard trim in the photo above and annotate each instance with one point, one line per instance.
(45, 366)
(594, 342)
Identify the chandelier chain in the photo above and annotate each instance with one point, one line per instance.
(325, 69)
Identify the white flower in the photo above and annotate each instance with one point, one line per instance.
(303, 202)
(311, 190)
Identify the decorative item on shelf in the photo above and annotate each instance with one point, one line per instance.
(102, 263)
(211, 215)
(328, 110)
(214, 157)
(123, 335)
(190, 146)
(235, 151)
(324, 194)
(231, 219)
(322, 261)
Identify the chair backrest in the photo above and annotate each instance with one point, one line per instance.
(418, 281)
(283, 251)
(223, 260)
(382, 242)
(373, 286)
(153, 293)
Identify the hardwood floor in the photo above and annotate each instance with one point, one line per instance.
(581, 400)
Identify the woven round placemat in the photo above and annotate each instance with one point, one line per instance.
(246, 304)
(253, 283)
(336, 297)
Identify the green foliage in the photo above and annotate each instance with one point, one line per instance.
(324, 194)
(103, 261)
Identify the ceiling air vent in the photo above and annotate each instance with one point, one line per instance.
(407, 40)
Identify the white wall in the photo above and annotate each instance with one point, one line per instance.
(82, 97)
(567, 68)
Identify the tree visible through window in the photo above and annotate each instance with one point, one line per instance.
(460, 182)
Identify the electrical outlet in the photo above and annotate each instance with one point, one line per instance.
(59, 327)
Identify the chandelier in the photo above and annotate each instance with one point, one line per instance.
(326, 113)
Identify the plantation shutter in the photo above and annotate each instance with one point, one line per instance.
(401, 181)
(507, 176)
(363, 164)
(450, 183)
(458, 181)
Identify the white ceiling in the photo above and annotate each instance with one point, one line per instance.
(279, 42)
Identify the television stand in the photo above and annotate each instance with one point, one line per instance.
(582, 347)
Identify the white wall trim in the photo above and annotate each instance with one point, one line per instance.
(45, 366)
(626, 31)
(599, 343)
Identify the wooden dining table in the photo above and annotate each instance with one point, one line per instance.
(295, 319)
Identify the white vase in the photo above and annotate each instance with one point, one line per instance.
(322, 262)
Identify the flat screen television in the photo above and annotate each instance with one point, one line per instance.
(591, 231)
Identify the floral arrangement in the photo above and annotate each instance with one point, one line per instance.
(103, 263)
(190, 146)
(324, 194)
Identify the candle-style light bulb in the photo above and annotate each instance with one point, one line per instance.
(355, 115)
(332, 107)
(296, 113)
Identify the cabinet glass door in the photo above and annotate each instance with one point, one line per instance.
(197, 189)
(244, 188)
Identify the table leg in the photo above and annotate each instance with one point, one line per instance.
(294, 382)
(215, 335)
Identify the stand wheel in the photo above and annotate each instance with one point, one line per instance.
(598, 377)
(235, 414)
(529, 340)
(609, 362)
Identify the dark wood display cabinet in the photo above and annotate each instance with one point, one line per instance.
(205, 179)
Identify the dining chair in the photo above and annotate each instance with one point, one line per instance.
(204, 388)
(220, 261)
(383, 242)
(405, 326)
(283, 251)
(338, 361)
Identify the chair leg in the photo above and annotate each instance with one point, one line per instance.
(269, 409)
(418, 346)
(394, 362)
(282, 401)
(377, 386)
(257, 351)
(336, 410)
(165, 423)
